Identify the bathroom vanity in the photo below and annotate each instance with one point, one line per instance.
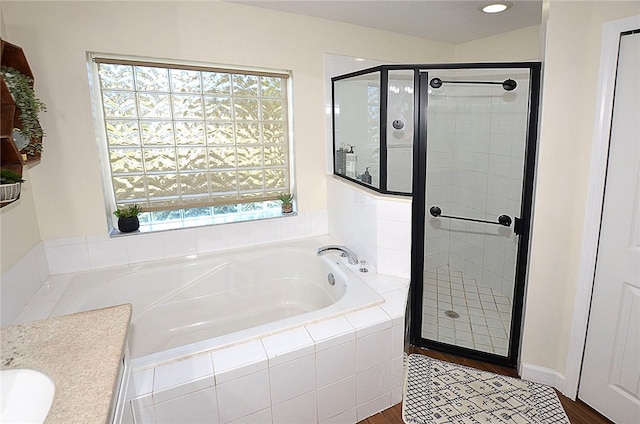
(83, 354)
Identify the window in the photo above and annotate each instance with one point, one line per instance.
(193, 144)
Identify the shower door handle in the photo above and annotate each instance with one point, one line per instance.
(504, 220)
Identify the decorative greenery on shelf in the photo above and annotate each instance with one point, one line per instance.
(9, 177)
(286, 198)
(21, 88)
(130, 211)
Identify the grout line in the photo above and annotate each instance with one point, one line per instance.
(475, 297)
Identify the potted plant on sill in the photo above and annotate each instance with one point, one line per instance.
(10, 184)
(28, 137)
(128, 218)
(287, 202)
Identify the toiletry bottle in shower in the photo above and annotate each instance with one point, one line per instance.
(366, 177)
(351, 163)
(341, 160)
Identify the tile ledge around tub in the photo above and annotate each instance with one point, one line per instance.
(371, 193)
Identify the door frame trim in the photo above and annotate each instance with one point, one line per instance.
(595, 197)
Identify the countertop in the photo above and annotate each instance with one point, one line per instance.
(81, 353)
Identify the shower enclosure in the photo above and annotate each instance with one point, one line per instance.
(459, 138)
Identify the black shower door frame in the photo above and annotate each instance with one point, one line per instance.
(415, 302)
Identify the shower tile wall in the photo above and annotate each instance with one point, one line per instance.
(474, 169)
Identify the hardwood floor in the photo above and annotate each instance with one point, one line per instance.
(578, 412)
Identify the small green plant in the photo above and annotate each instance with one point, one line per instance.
(21, 88)
(286, 198)
(9, 177)
(130, 211)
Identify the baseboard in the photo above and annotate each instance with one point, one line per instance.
(542, 375)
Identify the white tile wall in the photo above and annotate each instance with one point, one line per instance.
(475, 169)
(377, 228)
(340, 370)
(243, 396)
(21, 282)
(302, 409)
(337, 398)
(92, 252)
(310, 374)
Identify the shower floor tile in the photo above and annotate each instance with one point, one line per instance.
(460, 311)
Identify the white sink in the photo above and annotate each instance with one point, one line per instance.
(26, 396)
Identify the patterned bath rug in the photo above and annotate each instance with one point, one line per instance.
(437, 392)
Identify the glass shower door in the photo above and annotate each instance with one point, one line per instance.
(476, 132)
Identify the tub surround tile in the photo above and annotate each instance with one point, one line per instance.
(259, 417)
(336, 398)
(240, 235)
(374, 406)
(374, 349)
(335, 364)
(243, 396)
(141, 402)
(287, 346)
(179, 244)
(267, 231)
(183, 389)
(263, 380)
(72, 257)
(369, 321)
(397, 373)
(397, 338)
(394, 261)
(105, 253)
(145, 415)
(143, 381)
(29, 275)
(332, 332)
(293, 228)
(395, 303)
(196, 407)
(385, 283)
(302, 409)
(145, 248)
(12, 299)
(77, 351)
(210, 239)
(179, 372)
(239, 361)
(292, 379)
(348, 417)
(373, 383)
(21, 282)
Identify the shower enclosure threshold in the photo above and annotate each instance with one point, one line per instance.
(459, 310)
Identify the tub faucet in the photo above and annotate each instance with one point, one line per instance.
(348, 253)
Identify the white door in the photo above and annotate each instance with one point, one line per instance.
(610, 380)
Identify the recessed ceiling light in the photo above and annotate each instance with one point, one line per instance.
(496, 7)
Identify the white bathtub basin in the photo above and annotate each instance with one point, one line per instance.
(25, 396)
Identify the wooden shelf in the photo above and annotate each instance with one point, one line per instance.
(12, 56)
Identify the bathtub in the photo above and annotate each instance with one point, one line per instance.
(182, 308)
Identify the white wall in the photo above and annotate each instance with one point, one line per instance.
(66, 186)
(62, 203)
(567, 121)
(56, 36)
(520, 45)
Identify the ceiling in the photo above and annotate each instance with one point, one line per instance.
(450, 21)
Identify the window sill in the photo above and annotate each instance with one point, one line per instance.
(147, 228)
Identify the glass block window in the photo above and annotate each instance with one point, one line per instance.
(193, 138)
